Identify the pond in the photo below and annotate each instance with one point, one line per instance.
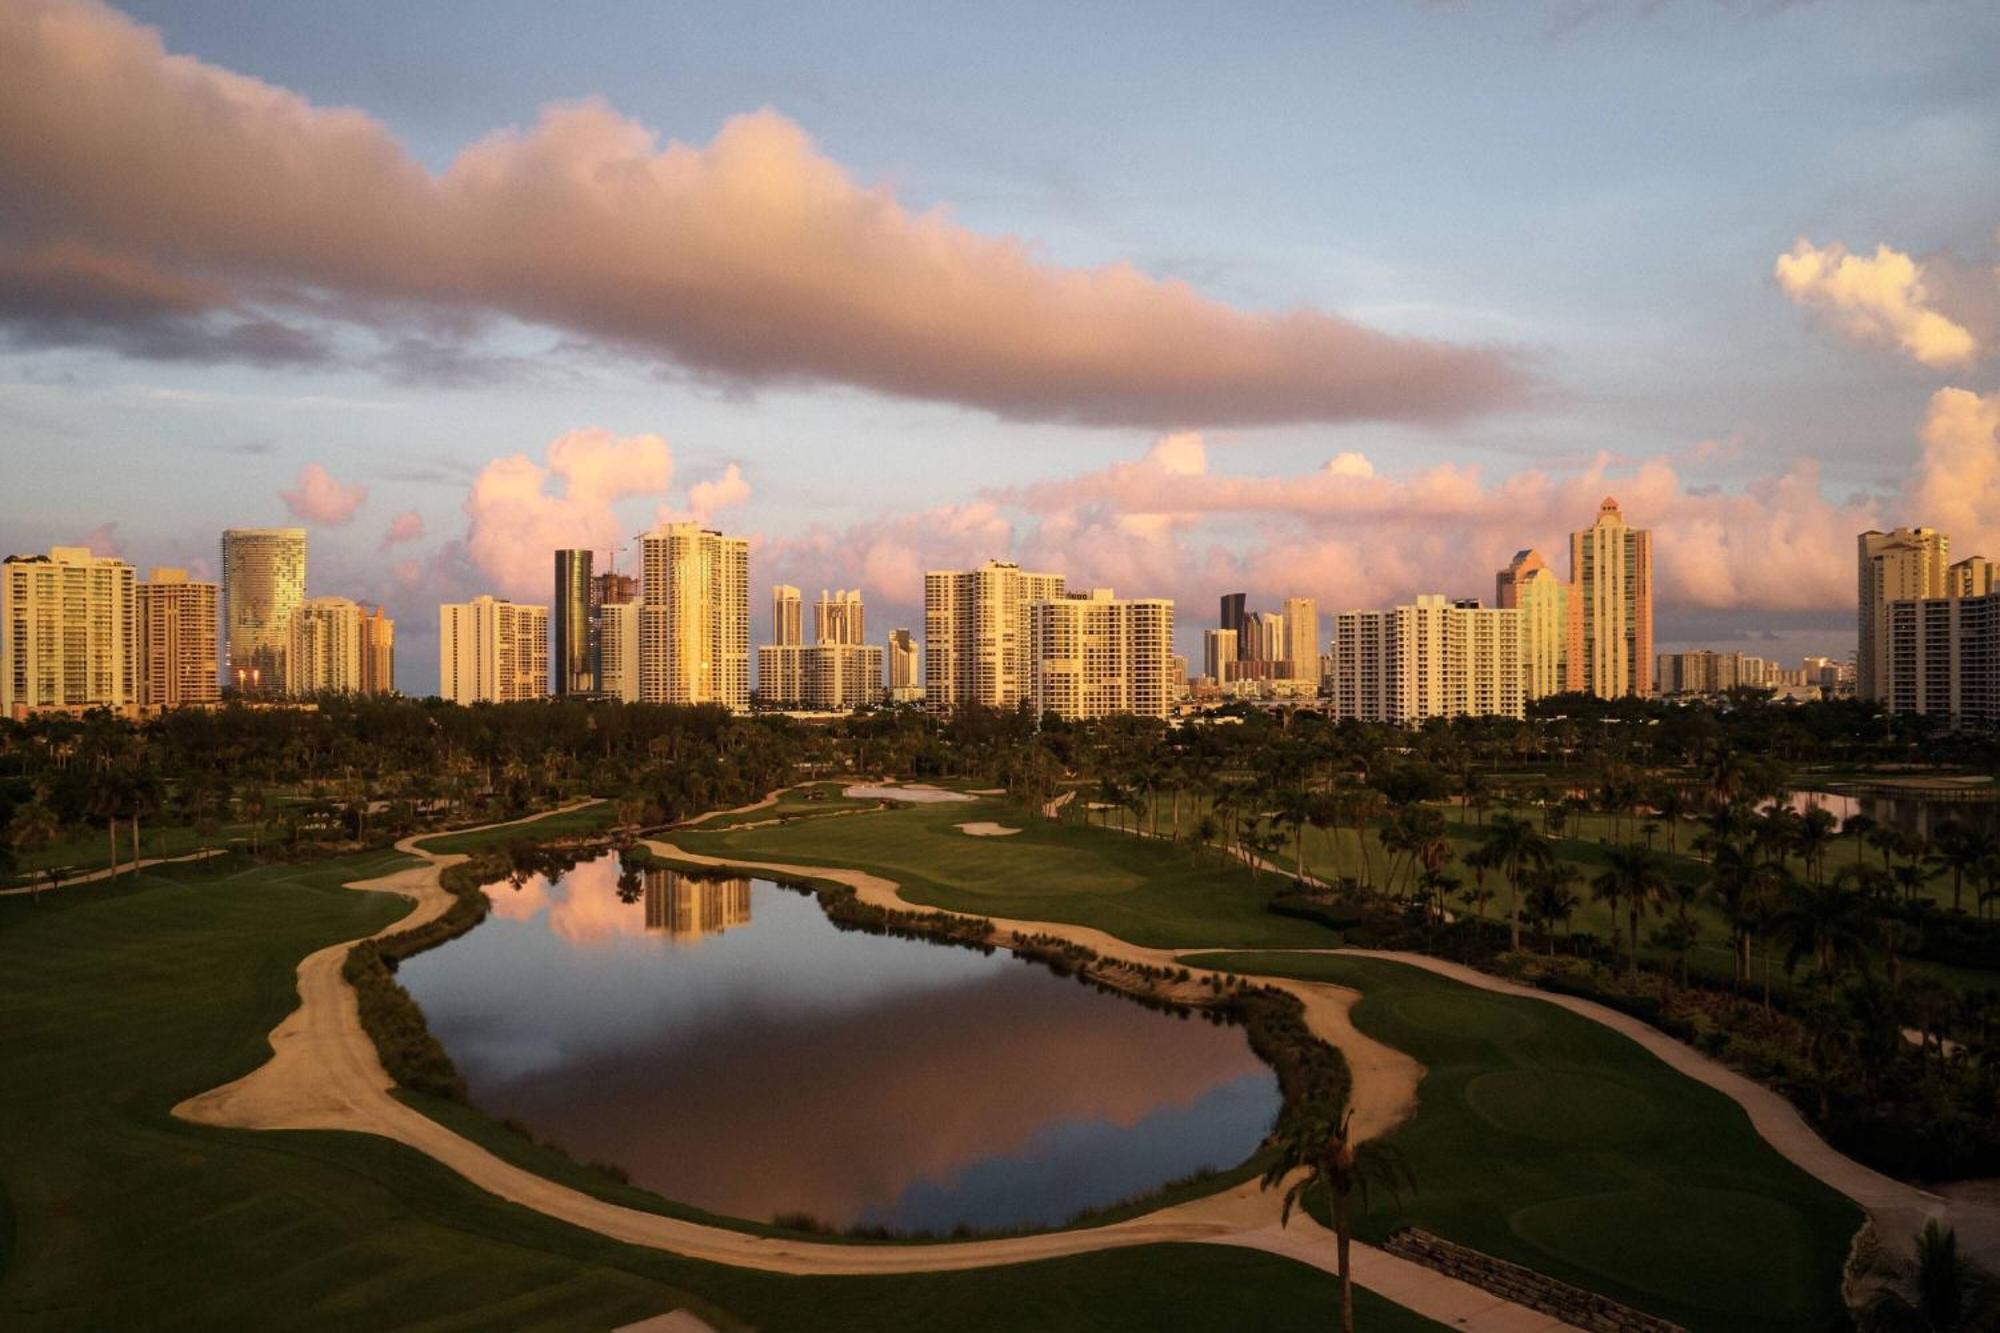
(729, 1047)
(1912, 813)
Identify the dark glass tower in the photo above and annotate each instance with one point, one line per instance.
(575, 654)
(1232, 618)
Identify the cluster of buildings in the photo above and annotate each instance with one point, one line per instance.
(81, 631)
(1928, 629)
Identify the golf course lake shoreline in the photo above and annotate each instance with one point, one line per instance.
(723, 1043)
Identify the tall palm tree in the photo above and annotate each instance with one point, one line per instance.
(1857, 826)
(1317, 1149)
(1633, 880)
(1517, 848)
(1940, 1292)
(1552, 899)
(1811, 836)
(1959, 848)
(1828, 923)
(33, 828)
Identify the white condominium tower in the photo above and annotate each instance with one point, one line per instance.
(1611, 638)
(1094, 655)
(1432, 658)
(787, 615)
(492, 651)
(976, 634)
(1906, 565)
(325, 651)
(178, 622)
(838, 671)
(69, 621)
(906, 682)
(263, 582)
(1531, 587)
(694, 617)
(1218, 655)
(618, 651)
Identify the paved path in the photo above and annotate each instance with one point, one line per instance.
(94, 876)
(325, 1074)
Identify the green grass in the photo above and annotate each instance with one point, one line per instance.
(117, 1002)
(585, 819)
(82, 849)
(1548, 1139)
(1148, 892)
(794, 803)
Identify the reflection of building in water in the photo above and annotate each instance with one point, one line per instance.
(686, 907)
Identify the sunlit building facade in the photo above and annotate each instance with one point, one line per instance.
(378, 652)
(1610, 634)
(71, 634)
(1906, 564)
(323, 651)
(575, 659)
(263, 583)
(694, 617)
(1094, 655)
(1431, 658)
(976, 634)
(492, 651)
(178, 629)
(1529, 586)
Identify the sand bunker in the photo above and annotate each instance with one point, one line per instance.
(916, 792)
(986, 829)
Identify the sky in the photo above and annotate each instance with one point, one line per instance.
(1349, 302)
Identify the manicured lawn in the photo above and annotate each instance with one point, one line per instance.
(84, 849)
(1146, 891)
(117, 1002)
(1550, 1140)
(584, 819)
(795, 803)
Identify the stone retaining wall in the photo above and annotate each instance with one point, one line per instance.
(1524, 1286)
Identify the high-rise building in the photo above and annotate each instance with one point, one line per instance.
(1262, 644)
(607, 590)
(618, 650)
(1970, 577)
(178, 630)
(1218, 655)
(575, 645)
(378, 652)
(694, 617)
(323, 652)
(976, 634)
(1431, 658)
(492, 651)
(838, 671)
(906, 680)
(1301, 617)
(1907, 564)
(1531, 587)
(839, 618)
(1232, 618)
(1611, 635)
(787, 616)
(1941, 658)
(69, 620)
(1094, 655)
(263, 582)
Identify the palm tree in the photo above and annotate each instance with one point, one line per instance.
(1516, 849)
(1552, 899)
(1941, 1292)
(1632, 879)
(34, 828)
(1857, 826)
(1319, 1149)
(1828, 923)
(1959, 848)
(1812, 835)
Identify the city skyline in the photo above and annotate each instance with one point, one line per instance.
(1772, 374)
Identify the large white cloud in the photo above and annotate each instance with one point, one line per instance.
(1881, 300)
(753, 258)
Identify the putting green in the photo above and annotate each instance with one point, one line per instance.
(1601, 1232)
(1560, 1106)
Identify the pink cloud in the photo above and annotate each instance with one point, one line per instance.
(103, 540)
(1958, 486)
(520, 511)
(407, 526)
(1882, 299)
(754, 258)
(318, 498)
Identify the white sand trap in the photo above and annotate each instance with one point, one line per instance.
(986, 829)
(916, 792)
(989, 791)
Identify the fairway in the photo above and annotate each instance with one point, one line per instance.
(583, 820)
(1547, 1139)
(1149, 892)
(117, 1002)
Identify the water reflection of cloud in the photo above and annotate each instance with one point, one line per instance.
(522, 904)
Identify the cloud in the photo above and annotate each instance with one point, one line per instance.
(103, 540)
(318, 498)
(407, 526)
(1958, 484)
(753, 259)
(517, 518)
(1879, 300)
(728, 491)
